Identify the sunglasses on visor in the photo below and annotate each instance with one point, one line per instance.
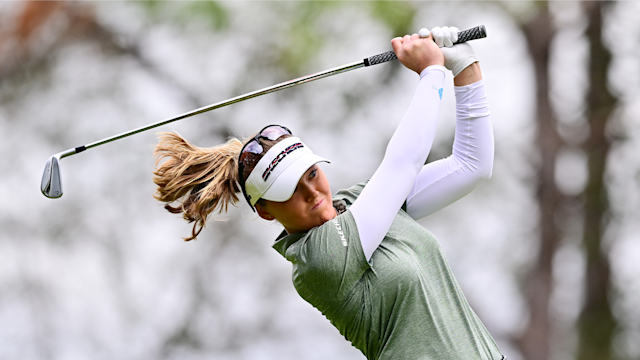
(253, 146)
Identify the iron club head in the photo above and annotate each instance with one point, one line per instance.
(51, 185)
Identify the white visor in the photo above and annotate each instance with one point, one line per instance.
(276, 175)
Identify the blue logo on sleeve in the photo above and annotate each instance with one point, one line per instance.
(440, 93)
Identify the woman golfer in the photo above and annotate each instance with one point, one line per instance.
(359, 256)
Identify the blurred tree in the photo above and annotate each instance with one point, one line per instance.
(29, 52)
(534, 342)
(596, 324)
(27, 22)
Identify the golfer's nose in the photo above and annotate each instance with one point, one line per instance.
(310, 192)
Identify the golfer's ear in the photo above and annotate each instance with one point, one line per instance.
(263, 213)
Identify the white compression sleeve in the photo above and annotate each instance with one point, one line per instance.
(388, 188)
(445, 181)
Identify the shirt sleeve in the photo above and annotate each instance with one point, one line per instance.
(330, 260)
(406, 153)
(445, 181)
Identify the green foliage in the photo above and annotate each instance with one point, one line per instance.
(304, 39)
(212, 13)
(396, 15)
(302, 35)
(151, 7)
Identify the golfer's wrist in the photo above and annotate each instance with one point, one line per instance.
(469, 75)
(430, 68)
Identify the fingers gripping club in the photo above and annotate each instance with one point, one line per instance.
(477, 32)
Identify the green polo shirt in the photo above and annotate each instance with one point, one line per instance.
(404, 304)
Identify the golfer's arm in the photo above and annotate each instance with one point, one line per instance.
(445, 181)
(388, 188)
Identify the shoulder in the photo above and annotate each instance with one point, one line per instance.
(352, 193)
(334, 235)
(329, 258)
(326, 248)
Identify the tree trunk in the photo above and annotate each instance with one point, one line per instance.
(534, 342)
(596, 323)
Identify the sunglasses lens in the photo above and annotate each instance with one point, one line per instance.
(274, 132)
(253, 147)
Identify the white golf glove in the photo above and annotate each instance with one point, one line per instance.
(456, 57)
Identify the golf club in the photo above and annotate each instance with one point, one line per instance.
(51, 185)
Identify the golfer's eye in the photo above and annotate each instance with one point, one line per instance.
(313, 174)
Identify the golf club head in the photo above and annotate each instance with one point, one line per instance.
(51, 185)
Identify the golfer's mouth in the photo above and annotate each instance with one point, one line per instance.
(318, 204)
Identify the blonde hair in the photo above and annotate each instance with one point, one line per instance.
(201, 180)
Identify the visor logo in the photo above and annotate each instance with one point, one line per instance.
(279, 158)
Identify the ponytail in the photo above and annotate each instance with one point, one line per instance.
(201, 180)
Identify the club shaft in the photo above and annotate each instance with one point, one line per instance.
(477, 32)
(267, 90)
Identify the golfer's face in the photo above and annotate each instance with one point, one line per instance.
(310, 205)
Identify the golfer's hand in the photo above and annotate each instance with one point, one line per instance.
(456, 57)
(417, 53)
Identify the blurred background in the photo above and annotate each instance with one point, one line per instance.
(547, 252)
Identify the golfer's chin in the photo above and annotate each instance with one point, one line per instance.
(325, 212)
(316, 218)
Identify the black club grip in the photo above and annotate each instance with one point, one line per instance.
(477, 32)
